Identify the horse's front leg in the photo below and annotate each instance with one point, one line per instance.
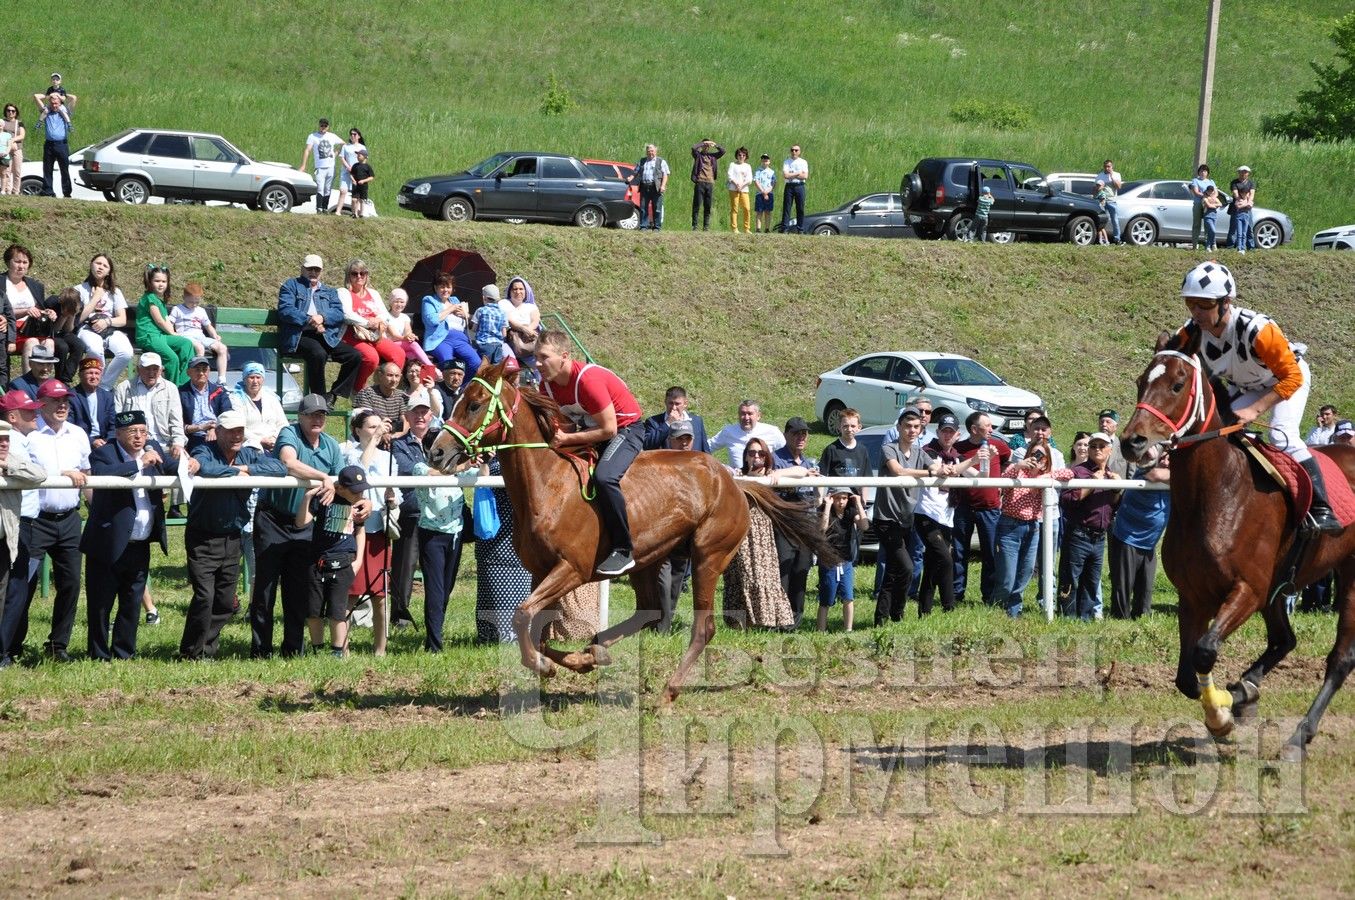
(558, 581)
(1242, 602)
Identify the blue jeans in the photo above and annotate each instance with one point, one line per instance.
(1017, 543)
(915, 547)
(1243, 239)
(837, 583)
(1080, 571)
(1210, 232)
(650, 195)
(967, 520)
(1114, 221)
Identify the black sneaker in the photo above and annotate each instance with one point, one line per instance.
(6, 662)
(618, 562)
(153, 617)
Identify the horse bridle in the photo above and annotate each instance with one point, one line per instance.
(499, 416)
(1200, 406)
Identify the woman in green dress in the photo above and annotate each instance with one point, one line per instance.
(155, 332)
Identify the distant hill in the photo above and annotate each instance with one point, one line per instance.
(867, 87)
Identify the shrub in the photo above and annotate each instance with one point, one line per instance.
(993, 113)
(557, 100)
(1327, 112)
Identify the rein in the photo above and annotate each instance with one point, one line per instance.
(501, 416)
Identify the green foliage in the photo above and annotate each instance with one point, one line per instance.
(556, 100)
(1326, 112)
(993, 113)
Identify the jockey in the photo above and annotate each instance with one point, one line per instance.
(1265, 371)
(603, 411)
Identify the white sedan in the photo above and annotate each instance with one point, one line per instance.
(1342, 238)
(878, 386)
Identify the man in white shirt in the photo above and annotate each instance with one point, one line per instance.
(62, 448)
(794, 172)
(325, 145)
(1326, 427)
(735, 436)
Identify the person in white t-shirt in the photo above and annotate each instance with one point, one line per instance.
(325, 145)
(348, 158)
(737, 178)
(191, 321)
(736, 435)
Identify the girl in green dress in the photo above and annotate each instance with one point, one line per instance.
(155, 332)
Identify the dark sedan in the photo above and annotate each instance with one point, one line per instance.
(522, 186)
(874, 215)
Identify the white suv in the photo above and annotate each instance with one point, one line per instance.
(141, 163)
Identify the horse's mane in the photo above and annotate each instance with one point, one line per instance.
(544, 408)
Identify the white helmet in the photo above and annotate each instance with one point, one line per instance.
(1209, 279)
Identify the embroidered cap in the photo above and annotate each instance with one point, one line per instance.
(129, 417)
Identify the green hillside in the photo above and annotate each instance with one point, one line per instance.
(867, 87)
(752, 316)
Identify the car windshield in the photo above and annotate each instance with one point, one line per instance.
(481, 169)
(955, 372)
(265, 356)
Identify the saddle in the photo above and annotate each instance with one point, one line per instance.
(1281, 468)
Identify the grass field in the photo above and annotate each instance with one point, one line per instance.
(867, 89)
(961, 755)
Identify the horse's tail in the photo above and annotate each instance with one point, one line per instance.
(793, 520)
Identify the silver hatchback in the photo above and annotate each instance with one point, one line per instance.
(141, 163)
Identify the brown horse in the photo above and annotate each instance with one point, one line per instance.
(672, 498)
(1228, 536)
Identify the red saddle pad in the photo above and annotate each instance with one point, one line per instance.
(1300, 486)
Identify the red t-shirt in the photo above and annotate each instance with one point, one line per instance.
(982, 498)
(589, 391)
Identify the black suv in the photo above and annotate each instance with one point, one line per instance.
(939, 195)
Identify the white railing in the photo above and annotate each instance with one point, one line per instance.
(1049, 487)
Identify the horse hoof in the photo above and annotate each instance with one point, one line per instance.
(1219, 721)
(600, 655)
(1292, 753)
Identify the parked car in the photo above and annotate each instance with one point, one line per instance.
(878, 384)
(1083, 183)
(30, 181)
(940, 194)
(140, 163)
(606, 168)
(1342, 238)
(874, 215)
(1150, 212)
(526, 186)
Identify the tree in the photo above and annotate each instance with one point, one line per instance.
(1327, 111)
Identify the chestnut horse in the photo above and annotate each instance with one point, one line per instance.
(1227, 539)
(672, 498)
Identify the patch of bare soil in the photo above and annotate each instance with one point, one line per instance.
(908, 812)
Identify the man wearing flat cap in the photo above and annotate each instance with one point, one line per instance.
(41, 366)
(213, 538)
(118, 535)
(201, 403)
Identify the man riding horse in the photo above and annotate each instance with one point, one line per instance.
(1266, 371)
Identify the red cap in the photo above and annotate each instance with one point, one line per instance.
(53, 389)
(18, 400)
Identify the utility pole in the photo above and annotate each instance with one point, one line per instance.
(1211, 37)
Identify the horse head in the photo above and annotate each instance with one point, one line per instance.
(482, 418)
(1176, 398)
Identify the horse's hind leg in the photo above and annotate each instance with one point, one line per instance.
(1340, 661)
(1280, 642)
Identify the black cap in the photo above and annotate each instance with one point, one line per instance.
(353, 478)
(453, 363)
(129, 417)
(795, 423)
(1108, 413)
(948, 421)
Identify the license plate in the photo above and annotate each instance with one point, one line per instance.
(1016, 424)
(402, 199)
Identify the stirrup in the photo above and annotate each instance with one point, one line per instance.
(1321, 519)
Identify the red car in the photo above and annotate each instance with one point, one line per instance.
(619, 171)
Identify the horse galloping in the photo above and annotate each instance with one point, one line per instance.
(673, 497)
(1227, 539)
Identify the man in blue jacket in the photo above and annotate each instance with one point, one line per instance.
(216, 519)
(119, 532)
(92, 405)
(202, 402)
(313, 327)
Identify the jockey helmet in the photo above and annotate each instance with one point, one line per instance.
(1210, 280)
